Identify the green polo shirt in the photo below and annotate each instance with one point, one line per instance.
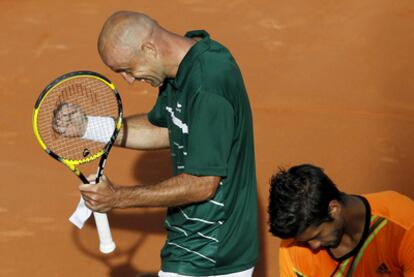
(207, 112)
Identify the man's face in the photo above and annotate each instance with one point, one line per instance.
(135, 65)
(326, 235)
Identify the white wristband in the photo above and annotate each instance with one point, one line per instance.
(99, 128)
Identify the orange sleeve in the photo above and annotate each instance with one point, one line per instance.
(286, 266)
(406, 253)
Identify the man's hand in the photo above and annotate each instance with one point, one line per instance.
(69, 120)
(100, 197)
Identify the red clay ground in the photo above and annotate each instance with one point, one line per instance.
(330, 83)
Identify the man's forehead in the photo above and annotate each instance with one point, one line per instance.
(309, 233)
(116, 56)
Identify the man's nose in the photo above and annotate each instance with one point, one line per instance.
(127, 77)
(314, 244)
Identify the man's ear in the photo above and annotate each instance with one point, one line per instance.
(149, 49)
(335, 209)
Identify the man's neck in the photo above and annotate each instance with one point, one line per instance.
(175, 47)
(355, 220)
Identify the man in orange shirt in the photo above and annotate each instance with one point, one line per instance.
(327, 232)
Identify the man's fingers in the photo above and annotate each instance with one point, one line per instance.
(90, 204)
(59, 125)
(94, 205)
(87, 188)
(97, 197)
(90, 199)
(91, 178)
(69, 108)
(69, 120)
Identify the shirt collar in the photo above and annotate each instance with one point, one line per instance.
(186, 64)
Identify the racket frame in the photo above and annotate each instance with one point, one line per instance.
(106, 243)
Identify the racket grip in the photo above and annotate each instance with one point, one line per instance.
(106, 244)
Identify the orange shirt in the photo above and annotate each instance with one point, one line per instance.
(386, 248)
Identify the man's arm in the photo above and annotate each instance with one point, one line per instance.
(138, 132)
(176, 191)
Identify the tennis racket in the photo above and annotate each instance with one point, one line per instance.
(76, 120)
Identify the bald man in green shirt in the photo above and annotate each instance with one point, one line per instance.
(203, 116)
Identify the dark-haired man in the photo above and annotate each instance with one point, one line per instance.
(330, 233)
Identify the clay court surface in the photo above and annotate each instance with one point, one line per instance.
(330, 83)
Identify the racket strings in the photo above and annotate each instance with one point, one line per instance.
(84, 97)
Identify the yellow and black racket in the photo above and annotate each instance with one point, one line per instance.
(76, 120)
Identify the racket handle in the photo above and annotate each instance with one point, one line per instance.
(106, 244)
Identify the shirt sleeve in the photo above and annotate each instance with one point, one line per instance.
(286, 266)
(157, 115)
(406, 255)
(210, 135)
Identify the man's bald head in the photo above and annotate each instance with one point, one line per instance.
(135, 46)
(125, 31)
